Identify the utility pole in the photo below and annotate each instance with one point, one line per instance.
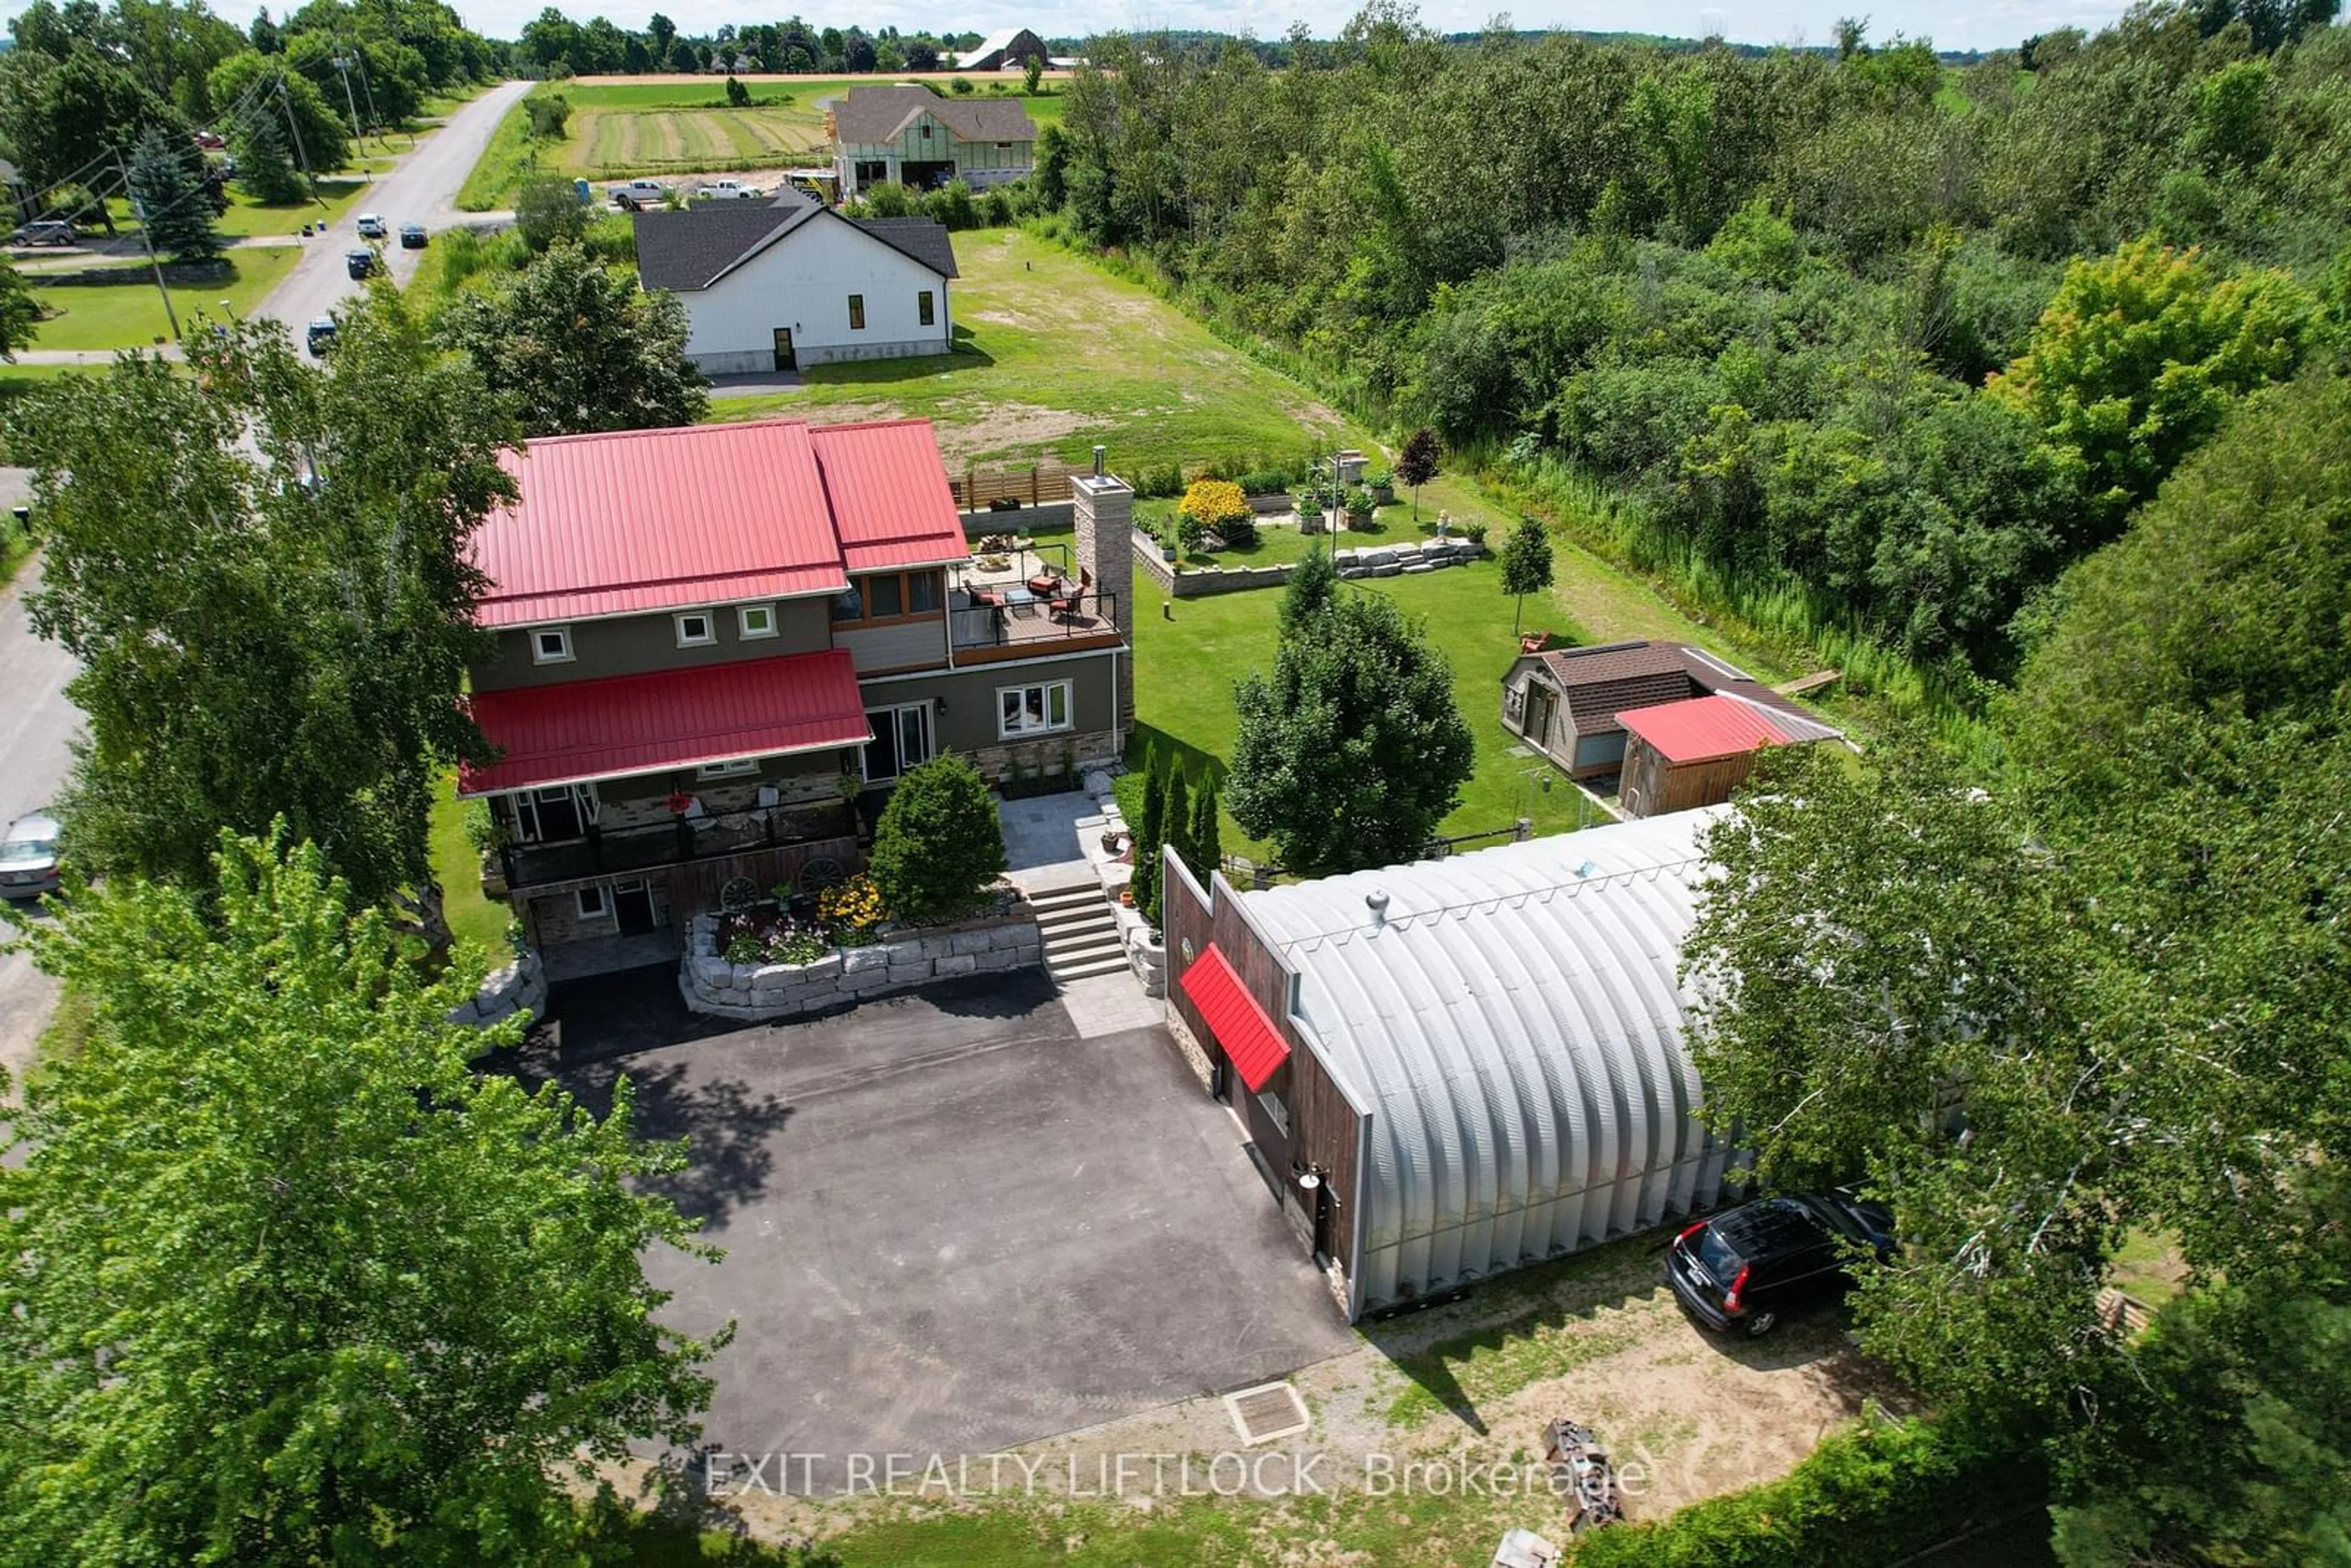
(368, 93)
(139, 211)
(296, 127)
(344, 69)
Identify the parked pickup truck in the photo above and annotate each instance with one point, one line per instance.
(727, 191)
(638, 193)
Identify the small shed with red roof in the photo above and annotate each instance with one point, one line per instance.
(1680, 756)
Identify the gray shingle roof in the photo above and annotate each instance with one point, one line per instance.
(867, 115)
(695, 248)
(691, 249)
(921, 238)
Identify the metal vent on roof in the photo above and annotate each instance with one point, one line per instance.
(1268, 1411)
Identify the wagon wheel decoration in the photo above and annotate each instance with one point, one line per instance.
(739, 894)
(819, 874)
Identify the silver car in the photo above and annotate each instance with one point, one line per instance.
(28, 857)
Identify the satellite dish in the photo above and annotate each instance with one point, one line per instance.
(1310, 1181)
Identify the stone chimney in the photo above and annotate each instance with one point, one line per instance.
(1103, 506)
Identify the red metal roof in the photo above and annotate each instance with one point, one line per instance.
(1232, 1015)
(618, 725)
(1702, 730)
(634, 521)
(891, 504)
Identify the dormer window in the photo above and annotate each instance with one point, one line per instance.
(550, 645)
(696, 628)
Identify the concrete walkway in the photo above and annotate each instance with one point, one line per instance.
(1040, 841)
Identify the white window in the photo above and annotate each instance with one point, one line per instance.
(550, 645)
(696, 628)
(902, 739)
(593, 904)
(755, 621)
(1032, 710)
(734, 769)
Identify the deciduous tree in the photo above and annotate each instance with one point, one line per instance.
(575, 346)
(289, 1280)
(937, 844)
(1526, 565)
(20, 313)
(263, 568)
(1351, 752)
(1416, 464)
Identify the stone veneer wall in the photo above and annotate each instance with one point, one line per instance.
(754, 994)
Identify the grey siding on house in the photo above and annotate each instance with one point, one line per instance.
(635, 644)
(910, 644)
(968, 724)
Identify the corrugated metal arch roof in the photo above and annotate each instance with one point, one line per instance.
(1514, 1024)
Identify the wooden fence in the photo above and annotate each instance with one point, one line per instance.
(1034, 486)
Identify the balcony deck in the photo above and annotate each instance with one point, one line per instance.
(620, 851)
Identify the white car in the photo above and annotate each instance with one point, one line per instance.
(28, 857)
(727, 191)
(372, 225)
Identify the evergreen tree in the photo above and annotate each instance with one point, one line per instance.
(1176, 813)
(1313, 584)
(171, 198)
(939, 843)
(265, 166)
(20, 313)
(1204, 846)
(1148, 834)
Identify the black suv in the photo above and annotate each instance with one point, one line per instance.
(1747, 1267)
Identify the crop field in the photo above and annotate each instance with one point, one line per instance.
(661, 125)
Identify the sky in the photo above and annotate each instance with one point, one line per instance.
(1964, 25)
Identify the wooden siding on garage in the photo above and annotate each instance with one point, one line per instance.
(1323, 1124)
(1651, 787)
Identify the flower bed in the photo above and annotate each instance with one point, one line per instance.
(764, 964)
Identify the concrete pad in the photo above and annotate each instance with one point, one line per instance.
(953, 1223)
(1102, 1005)
(1041, 849)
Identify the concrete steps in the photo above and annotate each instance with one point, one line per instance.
(1080, 931)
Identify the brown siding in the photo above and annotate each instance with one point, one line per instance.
(1324, 1127)
(634, 644)
(1653, 787)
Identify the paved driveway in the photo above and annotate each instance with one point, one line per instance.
(952, 1225)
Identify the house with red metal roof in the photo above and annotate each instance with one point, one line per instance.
(712, 646)
(1570, 704)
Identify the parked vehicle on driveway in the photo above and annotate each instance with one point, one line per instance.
(360, 262)
(50, 231)
(638, 193)
(28, 857)
(372, 225)
(727, 191)
(412, 236)
(1746, 1267)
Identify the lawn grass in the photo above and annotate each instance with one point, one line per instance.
(474, 919)
(245, 216)
(2147, 1265)
(1058, 356)
(683, 125)
(130, 315)
(1188, 655)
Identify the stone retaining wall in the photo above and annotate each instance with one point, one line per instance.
(1353, 560)
(520, 986)
(757, 993)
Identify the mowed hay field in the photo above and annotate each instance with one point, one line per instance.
(652, 125)
(1058, 355)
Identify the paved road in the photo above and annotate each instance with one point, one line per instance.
(36, 719)
(422, 190)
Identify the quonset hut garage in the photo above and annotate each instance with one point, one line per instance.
(1459, 1067)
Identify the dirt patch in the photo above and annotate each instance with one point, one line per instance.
(970, 428)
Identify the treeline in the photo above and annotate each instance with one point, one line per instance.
(84, 84)
(552, 44)
(1759, 299)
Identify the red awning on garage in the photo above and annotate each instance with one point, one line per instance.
(581, 731)
(1232, 1015)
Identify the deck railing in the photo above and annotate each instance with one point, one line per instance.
(1032, 618)
(604, 850)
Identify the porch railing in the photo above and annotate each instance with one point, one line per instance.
(605, 851)
(1032, 618)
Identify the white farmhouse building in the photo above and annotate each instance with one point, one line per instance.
(782, 287)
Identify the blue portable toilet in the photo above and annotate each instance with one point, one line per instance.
(579, 189)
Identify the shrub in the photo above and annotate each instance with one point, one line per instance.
(1264, 482)
(938, 845)
(1216, 505)
(548, 211)
(962, 86)
(854, 904)
(1474, 533)
(482, 830)
(546, 112)
(737, 95)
